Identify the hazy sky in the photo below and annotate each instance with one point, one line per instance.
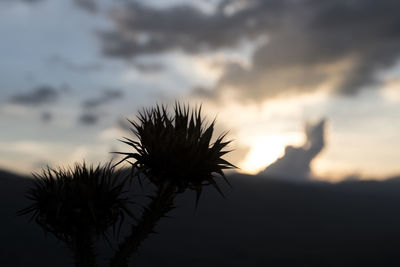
(71, 71)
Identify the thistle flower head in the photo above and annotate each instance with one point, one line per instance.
(178, 149)
(65, 200)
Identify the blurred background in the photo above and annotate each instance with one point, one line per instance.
(308, 90)
(314, 83)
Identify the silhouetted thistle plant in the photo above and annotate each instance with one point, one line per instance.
(175, 153)
(77, 205)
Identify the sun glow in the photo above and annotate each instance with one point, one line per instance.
(266, 149)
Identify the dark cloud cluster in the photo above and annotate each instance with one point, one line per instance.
(142, 29)
(149, 68)
(87, 5)
(294, 165)
(31, 1)
(57, 60)
(88, 118)
(38, 96)
(106, 97)
(91, 115)
(310, 44)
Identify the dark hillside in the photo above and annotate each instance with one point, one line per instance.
(260, 223)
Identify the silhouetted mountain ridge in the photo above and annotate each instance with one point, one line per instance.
(261, 222)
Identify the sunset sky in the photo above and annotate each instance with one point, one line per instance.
(72, 71)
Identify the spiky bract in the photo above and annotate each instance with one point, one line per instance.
(65, 201)
(177, 150)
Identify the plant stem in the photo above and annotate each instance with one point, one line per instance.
(161, 204)
(83, 249)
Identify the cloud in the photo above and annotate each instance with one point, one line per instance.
(106, 97)
(38, 96)
(312, 45)
(31, 1)
(87, 5)
(111, 134)
(124, 124)
(140, 29)
(69, 65)
(149, 67)
(27, 2)
(88, 119)
(237, 154)
(294, 165)
(203, 92)
(89, 116)
(46, 116)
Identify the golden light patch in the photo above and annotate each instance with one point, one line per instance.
(266, 149)
(391, 90)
